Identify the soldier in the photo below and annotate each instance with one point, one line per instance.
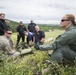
(6, 46)
(65, 45)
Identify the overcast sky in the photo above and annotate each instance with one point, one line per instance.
(40, 11)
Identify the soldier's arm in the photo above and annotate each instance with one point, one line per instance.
(9, 49)
(12, 43)
(63, 40)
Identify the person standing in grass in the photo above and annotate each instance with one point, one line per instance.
(20, 32)
(2, 23)
(65, 45)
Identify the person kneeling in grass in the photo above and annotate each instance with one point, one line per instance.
(30, 38)
(65, 45)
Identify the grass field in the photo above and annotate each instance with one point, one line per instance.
(32, 64)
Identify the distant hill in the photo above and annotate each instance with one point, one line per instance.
(44, 27)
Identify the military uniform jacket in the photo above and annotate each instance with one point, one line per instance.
(67, 38)
(5, 47)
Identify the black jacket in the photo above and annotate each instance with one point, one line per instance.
(2, 26)
(39, 35)
(21, 29)
(31, 27)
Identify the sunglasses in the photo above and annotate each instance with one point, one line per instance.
(64, 20)
(9, 33)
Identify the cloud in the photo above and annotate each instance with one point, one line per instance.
(38, 10)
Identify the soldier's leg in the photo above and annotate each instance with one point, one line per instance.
(64, 52)
(68, 53)
(57, 56)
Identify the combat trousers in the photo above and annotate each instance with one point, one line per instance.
(64, 52)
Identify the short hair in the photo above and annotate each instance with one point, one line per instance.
(20, 22)
(2, 14)
(31, 20)
(37, 26)
(8, 29)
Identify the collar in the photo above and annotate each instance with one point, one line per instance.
(70, 27)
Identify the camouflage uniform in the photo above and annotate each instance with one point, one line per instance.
(64, 46)
(6, 49)
(11, 43)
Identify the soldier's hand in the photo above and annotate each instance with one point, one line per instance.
(36, 47)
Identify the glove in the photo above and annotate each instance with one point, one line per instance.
(37, 45)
